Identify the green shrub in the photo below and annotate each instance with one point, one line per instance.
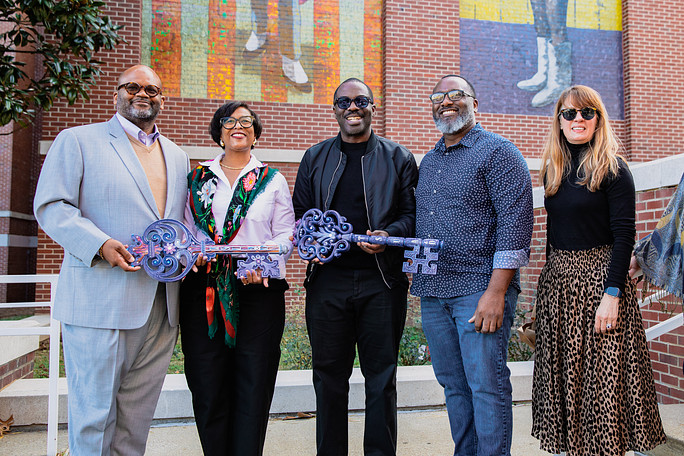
(413, 348)
(295, 349)
(517, 349)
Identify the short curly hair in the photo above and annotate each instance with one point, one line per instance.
(227, 110)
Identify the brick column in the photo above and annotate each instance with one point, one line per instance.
(421, 44)
(653, 74)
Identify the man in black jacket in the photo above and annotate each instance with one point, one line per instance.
(359, 298)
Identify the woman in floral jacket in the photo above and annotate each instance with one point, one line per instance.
(231, 327)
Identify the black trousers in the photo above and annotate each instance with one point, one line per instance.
(232, 389)
(346, 308)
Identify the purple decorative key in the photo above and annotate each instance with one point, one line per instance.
(167, 250)
(325, 235)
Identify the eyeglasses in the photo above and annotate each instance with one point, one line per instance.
(569, 114)
(229, 122)
(454, 95)
(133, 88)
(361, 102)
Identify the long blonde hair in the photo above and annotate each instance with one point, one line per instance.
(601, 158)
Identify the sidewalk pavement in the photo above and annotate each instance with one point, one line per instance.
(421, 433)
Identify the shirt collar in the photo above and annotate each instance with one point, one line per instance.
(215, 166)
(134, 131)
(468, 140)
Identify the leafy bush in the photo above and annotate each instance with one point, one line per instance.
(295, 349)
(413, 347)
(517, 349)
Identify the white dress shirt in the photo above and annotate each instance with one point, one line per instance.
(270, 218)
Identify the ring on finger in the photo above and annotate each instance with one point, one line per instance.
(608, 326)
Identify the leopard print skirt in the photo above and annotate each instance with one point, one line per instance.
(592, 394)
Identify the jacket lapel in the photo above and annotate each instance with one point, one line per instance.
(171, 171)
(122, 146)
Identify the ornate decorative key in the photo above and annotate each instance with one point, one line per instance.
(167, 250)
(325, 235)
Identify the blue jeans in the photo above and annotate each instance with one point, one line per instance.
(472, 369)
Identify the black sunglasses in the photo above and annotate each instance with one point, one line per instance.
(133, 88)
(229, 122)
(361, 102)
(569, 114)
(454, 95)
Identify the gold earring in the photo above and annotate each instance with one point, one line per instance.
(221, 143)
(254, 143)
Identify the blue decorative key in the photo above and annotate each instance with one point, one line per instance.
(325, 235)
(167, 250)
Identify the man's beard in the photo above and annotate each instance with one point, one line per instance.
(128, 111)
(452, 125)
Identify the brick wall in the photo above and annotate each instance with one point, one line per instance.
(21, 367)
(653, 71)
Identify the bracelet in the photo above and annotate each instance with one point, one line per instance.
(99, 252)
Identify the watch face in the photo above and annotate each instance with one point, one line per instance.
(613, 291)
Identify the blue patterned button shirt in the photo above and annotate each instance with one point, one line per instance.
(476, 196)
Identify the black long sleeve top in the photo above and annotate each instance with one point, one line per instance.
(578, 219)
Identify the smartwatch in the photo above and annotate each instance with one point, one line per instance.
(613, 291)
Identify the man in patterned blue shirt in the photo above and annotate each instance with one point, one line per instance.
(474, 192)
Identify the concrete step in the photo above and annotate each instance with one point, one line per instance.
(416, 388)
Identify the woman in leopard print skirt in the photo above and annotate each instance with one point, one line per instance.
(593, 391)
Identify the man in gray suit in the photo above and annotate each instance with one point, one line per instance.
(99, 184)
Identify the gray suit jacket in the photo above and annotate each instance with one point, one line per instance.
(92, 187)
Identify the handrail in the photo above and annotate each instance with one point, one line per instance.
(663, 327)
(53, 332)
(648, 300)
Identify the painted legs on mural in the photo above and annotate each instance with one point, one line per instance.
(554, 52)
(289, 34)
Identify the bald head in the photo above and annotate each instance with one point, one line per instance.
(139, 71)
(469, 86)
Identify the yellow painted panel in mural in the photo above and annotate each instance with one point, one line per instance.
(587, 14)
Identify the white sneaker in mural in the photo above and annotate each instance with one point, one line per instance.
(255, 42)
(293, 70)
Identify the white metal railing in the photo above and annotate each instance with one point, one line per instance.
(53, 331)
(663, 327)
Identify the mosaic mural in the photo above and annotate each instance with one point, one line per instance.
(293, 51)
(520, 54)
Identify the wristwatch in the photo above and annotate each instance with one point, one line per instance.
(613, 291)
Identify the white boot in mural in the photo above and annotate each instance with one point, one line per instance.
(559, 76)
(538, 81)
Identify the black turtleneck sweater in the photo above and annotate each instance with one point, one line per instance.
(578, 219)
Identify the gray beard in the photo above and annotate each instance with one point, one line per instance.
(452, 125)
(127, 110)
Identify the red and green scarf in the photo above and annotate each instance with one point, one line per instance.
(221, 275)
